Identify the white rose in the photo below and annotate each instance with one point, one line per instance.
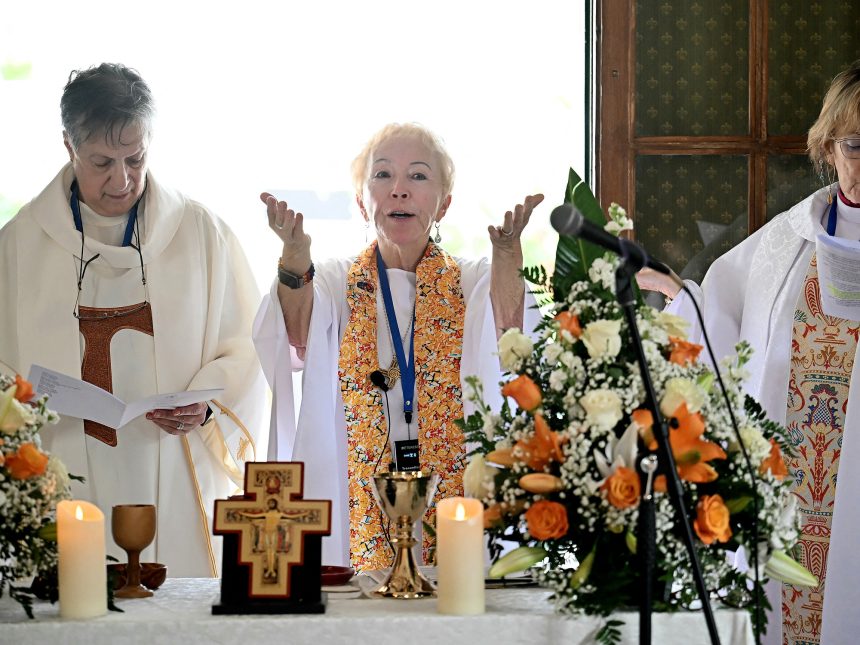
(61, 475)
(514, 346)
(673, 325)
(478, 478)
(602, 338)
(602, 408)
(678, 391)
(13, 414)
(551, 353)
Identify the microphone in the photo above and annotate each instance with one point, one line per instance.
(379, 380)
(568, 220)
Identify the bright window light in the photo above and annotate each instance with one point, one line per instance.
(259, 96)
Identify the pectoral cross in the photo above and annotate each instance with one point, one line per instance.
(392, 373)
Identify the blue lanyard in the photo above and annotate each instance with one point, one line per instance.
(407, 370)
(74, 202)
(831, 219)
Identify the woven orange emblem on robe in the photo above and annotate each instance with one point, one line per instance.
(439, 317)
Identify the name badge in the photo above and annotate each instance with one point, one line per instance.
(406, 455)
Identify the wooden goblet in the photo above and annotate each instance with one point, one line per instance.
(133, 529)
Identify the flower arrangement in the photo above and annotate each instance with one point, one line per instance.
(559, 472)
(31, 484)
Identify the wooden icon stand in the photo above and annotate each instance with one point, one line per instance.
(272, 544)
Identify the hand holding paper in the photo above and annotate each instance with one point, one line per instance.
(76, 398)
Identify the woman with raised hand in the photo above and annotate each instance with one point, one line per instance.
(386, 338)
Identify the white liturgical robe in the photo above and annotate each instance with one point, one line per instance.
(751, 294)
(203, 299)
(310, 426)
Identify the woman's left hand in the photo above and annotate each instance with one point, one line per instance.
(179, 421)
(504, 237)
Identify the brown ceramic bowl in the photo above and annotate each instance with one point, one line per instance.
(334, 576)
(152, 574)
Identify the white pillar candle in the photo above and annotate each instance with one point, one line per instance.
(460, 556)
(82, 566)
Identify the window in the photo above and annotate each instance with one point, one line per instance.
(282, 95)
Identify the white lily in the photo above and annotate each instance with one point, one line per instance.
(785, 568)
(619, 452)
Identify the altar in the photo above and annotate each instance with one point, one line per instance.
(181, 612)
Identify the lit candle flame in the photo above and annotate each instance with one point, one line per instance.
(79, 512)
(460, 513)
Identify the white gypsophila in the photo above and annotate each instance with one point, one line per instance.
(681, 390)
(603, 273)
(602, 408)
(557, 380)
(514, 347)
(602, 338)
(491, 423)
(551, 353)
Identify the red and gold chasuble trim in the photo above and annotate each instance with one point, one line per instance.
(822, 357)
(439, 318)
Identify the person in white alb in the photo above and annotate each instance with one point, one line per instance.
(766, 291)
(111, 277)
(385, 339)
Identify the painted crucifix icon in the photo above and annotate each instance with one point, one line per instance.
(272, 522)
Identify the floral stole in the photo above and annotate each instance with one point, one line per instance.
(439, 318)
(822, 356)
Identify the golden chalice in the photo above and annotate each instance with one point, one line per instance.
(133, 529)
(404, 496)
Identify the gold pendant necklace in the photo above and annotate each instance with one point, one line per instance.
(392, 373)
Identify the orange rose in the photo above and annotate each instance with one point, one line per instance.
(2, 459)
(547, 520)
(24, 391)
(28, 461)
(660, 484)
(683, 352)
(712, 520)
(622, 488)
(774, 462)
(492, 515)
(570, 322)
(524, 391)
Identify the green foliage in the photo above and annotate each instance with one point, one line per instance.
(8, 208)
(573, 256)
(12, 71)
(609, 634)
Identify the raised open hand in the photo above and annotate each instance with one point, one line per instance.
(507, 235)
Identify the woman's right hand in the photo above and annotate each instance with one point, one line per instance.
(288, 225)
(651, 280)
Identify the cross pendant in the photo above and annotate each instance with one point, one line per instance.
(392, 373)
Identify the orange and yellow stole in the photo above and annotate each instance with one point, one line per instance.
(439, 318)
(822, 356)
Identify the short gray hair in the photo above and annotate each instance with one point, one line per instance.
(105, 99)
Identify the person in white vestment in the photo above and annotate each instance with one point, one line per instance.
(385, 339)
(111, 277)
(766, 291)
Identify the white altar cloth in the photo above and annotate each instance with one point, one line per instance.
(180, 612)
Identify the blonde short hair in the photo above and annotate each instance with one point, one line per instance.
(361, 164)
(840, 111)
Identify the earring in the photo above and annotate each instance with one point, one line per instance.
(437, 238)
(826, 175)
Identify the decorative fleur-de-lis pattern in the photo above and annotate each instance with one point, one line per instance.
(691, 71)
(690, 209)
(790, 179)
(808, 44)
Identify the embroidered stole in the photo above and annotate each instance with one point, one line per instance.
(439, 318)
(822, 356)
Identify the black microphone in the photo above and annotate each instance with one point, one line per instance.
(379, 380)
(567, 220)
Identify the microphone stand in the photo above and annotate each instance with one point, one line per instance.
(631, 261)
